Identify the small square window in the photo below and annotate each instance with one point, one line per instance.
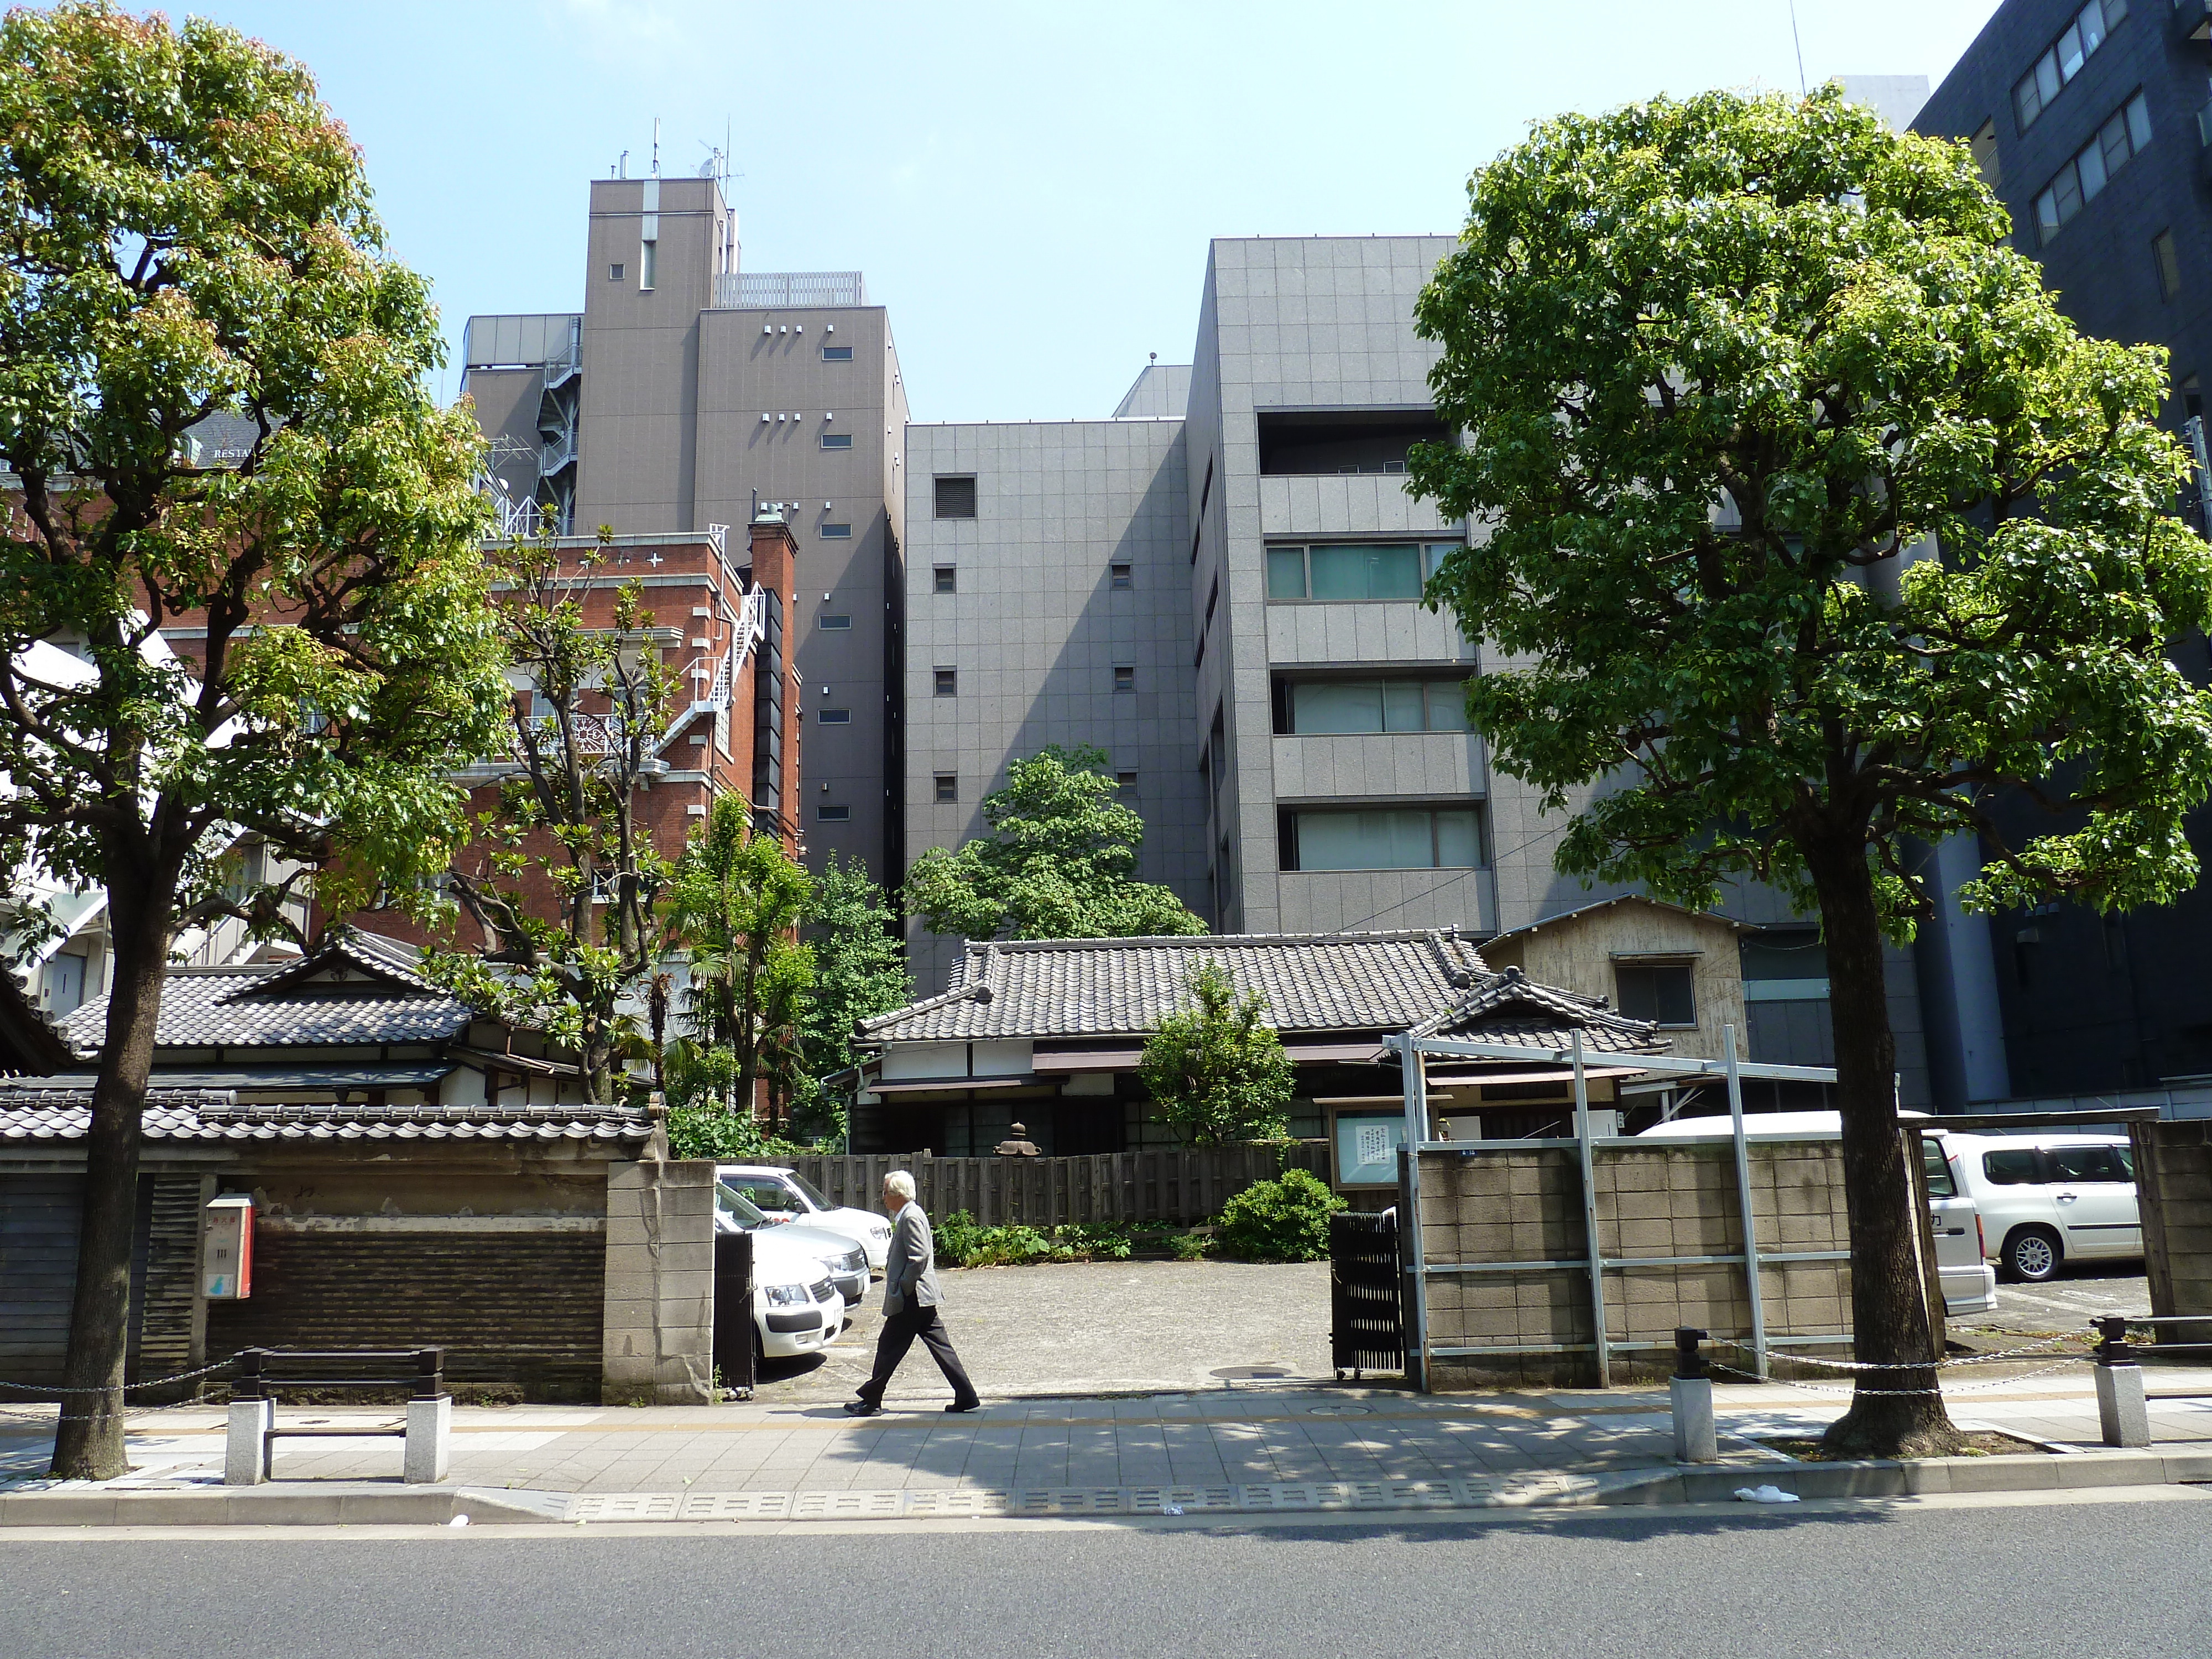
(946, 579)
(948, 681)
(837, 532)
(833, 815)
(836, 440)
(837, 354)
(1121, 575)
(834, 619)
(1124, 783)
(835, 716)
(956, 497)
(2164, 254)
(615, 271)
(1659, 991)
(948, 787)
(1125, 678)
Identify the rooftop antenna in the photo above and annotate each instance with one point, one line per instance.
(656, 133)
(1798, 40)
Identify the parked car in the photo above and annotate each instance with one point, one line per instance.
(845, 1262)
(1970, 1285)
(2047, 1199)
(796, 1309)
(784, 1194)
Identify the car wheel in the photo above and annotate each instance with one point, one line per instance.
(2033, 1255)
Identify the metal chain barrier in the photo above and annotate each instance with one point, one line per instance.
(1853, 1391)
(125, 1389)
(1947, 1364)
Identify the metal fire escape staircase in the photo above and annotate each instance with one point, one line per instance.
(722, 676)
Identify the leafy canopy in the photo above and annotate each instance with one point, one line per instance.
(1727, 367)
(1060, 863)
(860, 971)
(1217, 1073)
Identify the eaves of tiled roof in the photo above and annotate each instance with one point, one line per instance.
(30, 1113)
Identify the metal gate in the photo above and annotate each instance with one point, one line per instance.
(734, 1336)
(1366, 1332)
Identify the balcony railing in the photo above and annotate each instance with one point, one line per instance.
(739, 290)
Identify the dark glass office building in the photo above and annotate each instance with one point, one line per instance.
(2091, 122)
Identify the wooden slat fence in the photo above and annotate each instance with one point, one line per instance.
(1182, 1188)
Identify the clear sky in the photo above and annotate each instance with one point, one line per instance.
(1029, 187)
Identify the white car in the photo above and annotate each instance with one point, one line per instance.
(1970, 1285)
(833, 1255)
(2047, 1199)
(784, 1194)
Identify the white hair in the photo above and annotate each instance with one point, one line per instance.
(901, 1184)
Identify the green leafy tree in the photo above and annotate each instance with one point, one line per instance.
(736, 901)
(1060, 861)
(561, 876)
(1734, 372)
(184, 233)
(860, 971)
(1217, 1073)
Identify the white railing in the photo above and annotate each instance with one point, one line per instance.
(739, 290)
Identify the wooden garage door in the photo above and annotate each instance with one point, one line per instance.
(37, 1275)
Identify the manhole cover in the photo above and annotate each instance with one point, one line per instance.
(1337, 1411)
(1250, 1373)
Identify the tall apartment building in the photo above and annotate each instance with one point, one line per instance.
(688, 392)
(2091, 122)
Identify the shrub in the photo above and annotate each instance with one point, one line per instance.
(1285, 1219)
(962, 1244)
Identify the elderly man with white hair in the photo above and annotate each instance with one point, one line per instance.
(911, 1299)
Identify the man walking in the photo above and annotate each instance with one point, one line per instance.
(910, 1303)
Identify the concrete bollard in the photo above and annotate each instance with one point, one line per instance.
(245, 1453)
(1697, 1439)
(2123, 1412)
(429, 1440)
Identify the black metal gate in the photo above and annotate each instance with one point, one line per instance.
(1367, 1332)
(735, 1339)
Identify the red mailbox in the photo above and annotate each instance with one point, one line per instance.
(226, 1248)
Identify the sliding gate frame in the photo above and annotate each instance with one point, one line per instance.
(1414, 1054)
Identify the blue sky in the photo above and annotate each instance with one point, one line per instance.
(1029, 187)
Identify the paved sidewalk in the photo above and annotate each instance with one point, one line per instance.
(1240, 1446)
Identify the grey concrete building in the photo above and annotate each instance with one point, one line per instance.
(687, 390)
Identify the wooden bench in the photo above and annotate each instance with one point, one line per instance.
(260, 1373)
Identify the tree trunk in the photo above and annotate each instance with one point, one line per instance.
(1889, 1417)
(89, 1437)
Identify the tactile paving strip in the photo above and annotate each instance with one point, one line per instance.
(1277, 1497)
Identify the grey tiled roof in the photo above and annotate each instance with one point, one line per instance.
(1312, 982)
(30, 1113)
(278, 1004)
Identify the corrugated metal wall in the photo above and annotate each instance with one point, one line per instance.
(37, 1275)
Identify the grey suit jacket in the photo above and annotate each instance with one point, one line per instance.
(910, 1271)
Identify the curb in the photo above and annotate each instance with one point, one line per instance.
(2021, 1472)
(349, 1503)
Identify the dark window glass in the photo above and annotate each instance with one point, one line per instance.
(1940, 1183)
(948, 681)
(2085, 1163)
(956, 498)
(833, 814)
(1661, 991)
(835, 716)
(837, 354)
(837, 532)
(836, 440)
(1287, 573)
(1125, 782)
(948, 786)
(2015, 1166)
(1121, 575)
(1386, 838)
(1125, 678)
(946, 579)
(614, 273)
(834, 620)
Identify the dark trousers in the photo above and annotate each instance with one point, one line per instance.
(899, 1333)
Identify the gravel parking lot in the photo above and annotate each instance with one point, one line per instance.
(1077, 1328)
(2067, 1302)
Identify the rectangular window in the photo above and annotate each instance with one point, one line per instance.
(1121, 575)
(948, 787)
(648, 255)
(2083, 179)
(615, 271)
(833, 815)
(1287, 573)
(2015, 1166)
(948, 681)
(944, 579)
(1125, 678)
(956, 497)
(837, 532)
(2164, 256)
(1337, 707)
(836, 440)
(1384, 838)
(1353, 570)
(834, 619)
(1125, 784)
(2084, 32)
(835, 716)
(837, 354)
(1663, 992)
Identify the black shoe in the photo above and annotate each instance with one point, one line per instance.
(964, 1405)
(862, 1408)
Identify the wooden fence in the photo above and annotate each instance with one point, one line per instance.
(1178, 1186)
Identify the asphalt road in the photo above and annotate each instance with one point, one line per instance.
(2051, 1581)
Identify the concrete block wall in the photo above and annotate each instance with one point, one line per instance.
(2173, 1184)
(1525, 1205)
(659, 1342)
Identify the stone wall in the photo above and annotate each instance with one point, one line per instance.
(2173, 1184)
(1666, 1199)
(659, 1340)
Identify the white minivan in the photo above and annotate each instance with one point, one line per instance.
(2048, 1199)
